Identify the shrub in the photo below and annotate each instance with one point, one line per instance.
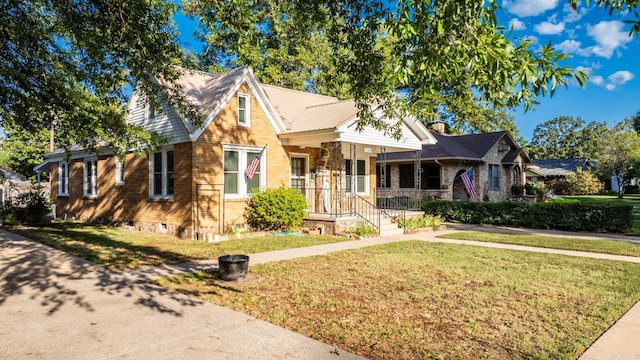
(535, 189)
(365, 230)
(632, 189)
(276, 209)
(425, 221)
(30, 207)
(596, 217)
(517, 190)
(578, 183)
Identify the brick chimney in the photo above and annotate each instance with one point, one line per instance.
(438, 126)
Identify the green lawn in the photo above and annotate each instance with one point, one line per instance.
(598, 246)
(417, 300)
(631, 199)
(118, 248)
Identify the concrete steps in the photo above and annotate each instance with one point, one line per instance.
(389, 228)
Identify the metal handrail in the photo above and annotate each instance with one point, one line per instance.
(397, 211)
(365, 210)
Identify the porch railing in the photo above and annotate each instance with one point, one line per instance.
(365, 210)
(344, 203)
(408, 199)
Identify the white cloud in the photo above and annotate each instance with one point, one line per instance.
(614, 80)
(524, 8)
(517, 24)
(596, 79)
(621, 77)
(532, 38)
(548, 28)
(573, 16)
(568, 46)
(609, 35)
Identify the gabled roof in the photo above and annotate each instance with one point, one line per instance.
(327, 116)
(464, 147)
(559, 167)
(291, 103)
(10, 174)
(210, 92)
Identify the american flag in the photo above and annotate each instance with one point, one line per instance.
(467, 179)
(253, 167)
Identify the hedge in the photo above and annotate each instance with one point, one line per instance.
(611, 218)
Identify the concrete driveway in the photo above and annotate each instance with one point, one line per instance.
(57, 306)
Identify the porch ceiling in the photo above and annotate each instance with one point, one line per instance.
(314, 139)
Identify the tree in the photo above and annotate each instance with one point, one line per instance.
(75, 63)
(620, 156)
(22, 150)
(71, 58)
(566, 137)
(265, 35)
(636, 122)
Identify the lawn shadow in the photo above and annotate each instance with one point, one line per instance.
(54, 279)
(94, 247)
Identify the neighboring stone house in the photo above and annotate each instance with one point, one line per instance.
(195, 185)
(497, 162)
(545, 170)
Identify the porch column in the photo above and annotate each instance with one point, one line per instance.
(383, 167)
(353, 157)
(417, 170)
(417, 174)
(337, 164)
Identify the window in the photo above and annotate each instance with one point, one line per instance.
(430, 176)
(298, 177)
(162, 174)
(429, 179)
(119, 171)
(360, 176)
(236, 159)
(494, 176)
(387, 173)
(90, 177)
(244, 111)
(407, 176)
(63, 178)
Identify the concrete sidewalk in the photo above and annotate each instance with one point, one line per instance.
(56, 306)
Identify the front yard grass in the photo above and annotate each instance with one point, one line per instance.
(416, 300)
(122, 249)
(551, 242)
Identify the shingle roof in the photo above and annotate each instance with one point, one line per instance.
(558, 167)
(469, 147)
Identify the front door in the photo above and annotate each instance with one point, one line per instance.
(298, 177)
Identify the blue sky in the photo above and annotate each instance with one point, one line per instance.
(596, 42)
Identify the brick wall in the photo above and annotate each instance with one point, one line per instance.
(208, 158)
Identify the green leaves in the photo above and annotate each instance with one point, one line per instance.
(77, 61)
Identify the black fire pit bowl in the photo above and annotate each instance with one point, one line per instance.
(233, 267)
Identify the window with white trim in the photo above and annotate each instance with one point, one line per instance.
(494, 176)
(244, 109)
(236, 160)
(119, 171)
(161, 177)
(63, 178)
(90, 185)
(360, 176)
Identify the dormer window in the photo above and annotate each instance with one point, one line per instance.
(244, 109)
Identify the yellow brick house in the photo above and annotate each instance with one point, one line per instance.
(195, 184)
